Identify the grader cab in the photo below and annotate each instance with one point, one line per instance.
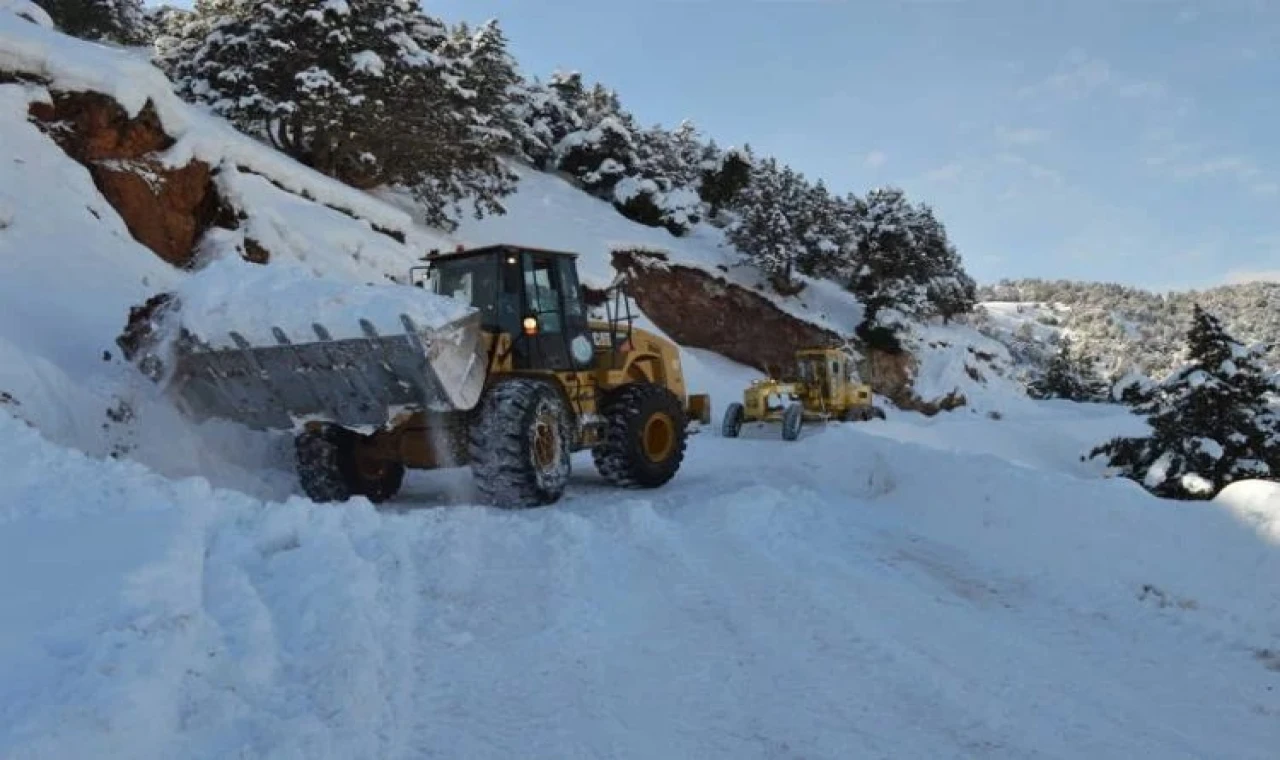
(823, 388)
(512, 390)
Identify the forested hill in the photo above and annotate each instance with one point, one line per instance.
(1127, 328)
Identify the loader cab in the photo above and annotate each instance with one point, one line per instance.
(532, 295)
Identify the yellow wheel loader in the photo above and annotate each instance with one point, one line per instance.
(822, 390)
(512, 389)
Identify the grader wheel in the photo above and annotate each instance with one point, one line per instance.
(733, 418)
(792, 421)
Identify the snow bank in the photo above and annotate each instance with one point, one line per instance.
(321, 238)
(1257, 503)
(957, 360)
(232, 295)
(28, 10)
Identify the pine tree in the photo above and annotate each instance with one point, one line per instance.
(726, 178)
(1070, 376)
(368, 91)
(887, 270)
(547, 113)
(1211, 422)
(119, 21)
(764, 232)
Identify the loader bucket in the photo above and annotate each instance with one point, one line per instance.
(353, 382)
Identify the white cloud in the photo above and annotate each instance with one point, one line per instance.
(1077, 77)
(949, 172)
(1034, 170)
(1081, 75)
(1195, 161)
(875, 159)
(1021, 136)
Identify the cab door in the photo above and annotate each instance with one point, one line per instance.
(556, 339)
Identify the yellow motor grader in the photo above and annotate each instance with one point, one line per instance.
(512, 389)
(822, 390)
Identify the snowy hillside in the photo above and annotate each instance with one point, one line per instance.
(549, 212)
(1125, 329)
(954, 586)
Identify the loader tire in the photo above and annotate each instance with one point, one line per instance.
(645, 436)
(519, 444)
(731, 427)
(330, 468)
(792, 421)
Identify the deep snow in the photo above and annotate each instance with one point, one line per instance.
(842, 596)
(960, 586)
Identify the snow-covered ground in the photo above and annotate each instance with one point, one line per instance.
(848, 595)
(960, 586)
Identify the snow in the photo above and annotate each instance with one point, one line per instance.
(1256, 503)
(27, 10)
(819, 596)
(549, 212)
(232, 295)
(955, 586)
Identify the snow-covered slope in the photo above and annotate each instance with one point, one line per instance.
(549, 212)
(70, 270)
(953, 587)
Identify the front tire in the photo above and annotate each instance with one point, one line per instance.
(519, 445)
(333, 465)
(792, 421)
(733, 417)
(644, 439)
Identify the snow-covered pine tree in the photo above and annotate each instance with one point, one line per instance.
(488, 79)
(547, 112)
(605, 149)
(1211, 422)
(887, 270)
(725, 178)
(362, 90)
(949, 290)
(1068, 375)
(763, 232)
(120, 21)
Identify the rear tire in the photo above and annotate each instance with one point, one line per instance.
(330, 468)
(519, 445)
(733, 417)
(792, 422)
(645, 436)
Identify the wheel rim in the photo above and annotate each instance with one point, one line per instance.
(659, 437)
(546, 442)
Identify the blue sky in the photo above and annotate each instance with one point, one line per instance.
(1132, 141)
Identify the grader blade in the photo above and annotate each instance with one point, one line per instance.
(353, 382)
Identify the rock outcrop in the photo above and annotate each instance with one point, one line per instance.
(699, 309)
(166, 208)
(696, 308)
